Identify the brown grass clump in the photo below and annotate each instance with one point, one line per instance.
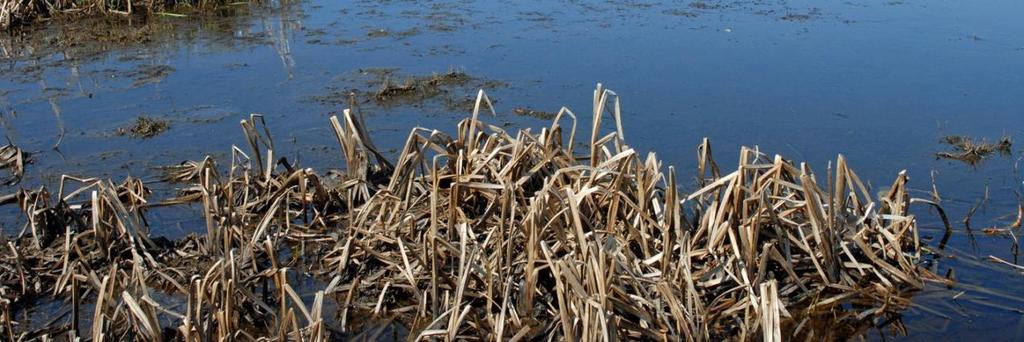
(415, 89)
(144, 127)
(483, 234)
(971, 152)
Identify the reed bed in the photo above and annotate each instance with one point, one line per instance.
(480, 235)
(17, 12)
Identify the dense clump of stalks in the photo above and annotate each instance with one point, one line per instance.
(15, 12)
(484, 234)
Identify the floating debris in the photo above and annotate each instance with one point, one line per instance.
(795, 17)
(705, 6)
(1015, 267)
(417, 89)
(680, 13)
(387, 88)
(971, 152)
(378, 33)
(478, 235)
(801, 17)
(533, 113)
(147, 74)
(144, 127)
(408, 33)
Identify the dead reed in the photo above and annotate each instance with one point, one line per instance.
(484, 234)
(18, 12)
(971, 151)
(13, 159)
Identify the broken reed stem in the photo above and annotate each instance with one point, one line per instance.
(483, 234)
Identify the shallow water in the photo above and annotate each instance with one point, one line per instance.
(879, 81)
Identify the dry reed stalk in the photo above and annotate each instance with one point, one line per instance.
(14, 159)
(484, 234)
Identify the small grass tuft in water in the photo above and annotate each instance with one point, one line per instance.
(144, 127)
(416, 89)
(971, 151)
(522, 111)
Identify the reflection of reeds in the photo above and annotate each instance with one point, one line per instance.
(13, 12)
(484, 234)
(281, 43)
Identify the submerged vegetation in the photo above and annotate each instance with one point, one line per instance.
(482, 234)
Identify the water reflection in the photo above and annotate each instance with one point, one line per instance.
(881, 81)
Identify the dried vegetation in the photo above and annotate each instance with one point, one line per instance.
(484, 234)
(972, 152)
(418, 88)
(522, 111)
(19, 12)
(144, 127)
(12, 159)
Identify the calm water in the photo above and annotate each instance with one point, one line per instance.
(879, 81)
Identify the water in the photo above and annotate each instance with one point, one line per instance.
(879, 81)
